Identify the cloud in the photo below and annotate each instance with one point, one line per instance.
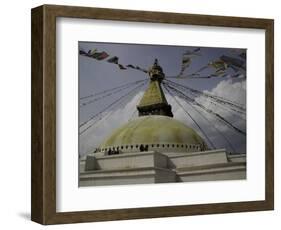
(234, 91)
(110, 120)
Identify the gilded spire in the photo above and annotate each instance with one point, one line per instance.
(154, 101)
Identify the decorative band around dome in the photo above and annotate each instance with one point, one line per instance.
(153, 133)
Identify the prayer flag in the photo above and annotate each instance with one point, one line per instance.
(234, 61)
(121, 66)
(101, 56)
(82, 52)
(131, 66)
(113, 60)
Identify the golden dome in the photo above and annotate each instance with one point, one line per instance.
(159, 133)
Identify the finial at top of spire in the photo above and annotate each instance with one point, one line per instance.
(155, 72)
(156, 62)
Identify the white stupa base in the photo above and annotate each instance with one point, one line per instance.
(154, 167)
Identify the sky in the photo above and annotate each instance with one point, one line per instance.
(96, 76)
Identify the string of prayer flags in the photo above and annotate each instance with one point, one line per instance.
(113, 60)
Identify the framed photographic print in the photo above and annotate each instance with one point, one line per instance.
(141, 114)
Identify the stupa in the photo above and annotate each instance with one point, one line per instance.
(157, 148)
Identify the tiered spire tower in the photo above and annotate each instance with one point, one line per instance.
(154, 101)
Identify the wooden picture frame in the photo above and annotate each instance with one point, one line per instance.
(43, 170)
